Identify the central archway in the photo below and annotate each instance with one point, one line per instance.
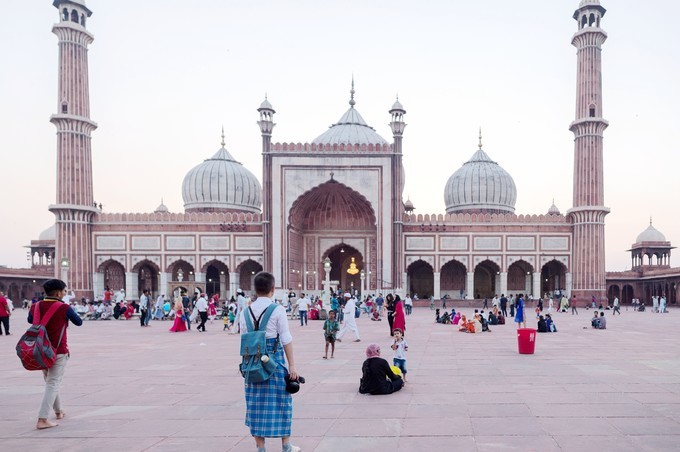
(330, 215)
(348, 277)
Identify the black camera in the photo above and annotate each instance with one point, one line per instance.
(293, 386)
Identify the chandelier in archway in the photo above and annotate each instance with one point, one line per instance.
(353, 270)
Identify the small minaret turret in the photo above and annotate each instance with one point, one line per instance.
(74, 209)
(588, 212)
(398, 125)
(267, 124)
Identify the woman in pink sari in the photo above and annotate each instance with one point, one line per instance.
(399, 315)
(180, 323)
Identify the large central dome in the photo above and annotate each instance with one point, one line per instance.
(480, 186)
(221, 184)
(350, 129)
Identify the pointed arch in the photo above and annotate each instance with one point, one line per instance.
(332, 205)
(553, 277)
(420, 276)
(486, 273)
(181, 270)
(453, 276)
(114, 274)
(519, 276)
(246, 271)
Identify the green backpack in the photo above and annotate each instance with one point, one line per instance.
(253, 367)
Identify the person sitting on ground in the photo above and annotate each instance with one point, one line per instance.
(107, 312)
(485, 324)
(501, 319)
(550, 324)
(437, 317)
(456, 318)
(377, 376)
(81, 308)
(595, 321)
(98, 311)
(446, 319)
(641, 308)
(462, 324)
(602, 324)
(493, 319)
(129, 310)
(542, 326)
(477, 325)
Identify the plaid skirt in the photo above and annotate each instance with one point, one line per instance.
(269, 408)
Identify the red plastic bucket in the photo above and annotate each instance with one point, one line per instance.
(526, 341)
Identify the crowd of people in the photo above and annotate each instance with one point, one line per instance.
(271, 398)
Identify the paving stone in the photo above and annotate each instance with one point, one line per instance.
(144, 389)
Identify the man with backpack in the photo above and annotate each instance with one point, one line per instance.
(56, 327)
(269, 406)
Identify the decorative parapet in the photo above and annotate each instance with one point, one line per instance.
(332, 148)
(482, 218)
(167, 217)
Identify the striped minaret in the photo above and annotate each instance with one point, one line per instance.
(398, 125)
(74, 208)
(588, 213)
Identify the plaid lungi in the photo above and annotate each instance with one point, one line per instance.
(269, 408)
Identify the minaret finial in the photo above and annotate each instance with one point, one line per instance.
(650, 220)
(223, 144)
(480, 138)
(352, 102)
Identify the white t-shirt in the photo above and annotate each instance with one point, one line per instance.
(278, 322)
(400, 351)
(408, 301)
(143, 302)
(201, 304)
(302, 304)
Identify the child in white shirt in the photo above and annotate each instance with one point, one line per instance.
(400, 348)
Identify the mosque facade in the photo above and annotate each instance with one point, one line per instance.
(330, 212)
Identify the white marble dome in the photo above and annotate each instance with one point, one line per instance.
(651, 234)
(553, 209)
(221, 184)
(162, 208)
(48, 234)
(480, 185)
(350, 129)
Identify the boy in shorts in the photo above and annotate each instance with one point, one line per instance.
(330, 328)
(400, 348)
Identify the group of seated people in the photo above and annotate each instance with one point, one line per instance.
(546, 324)
(477, 324)
(598, 321)
(105, 310)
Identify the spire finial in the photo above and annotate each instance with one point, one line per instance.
(650, 220)
(223, 144)
(480, 138)
(352, 102)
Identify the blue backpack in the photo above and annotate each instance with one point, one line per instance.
(256, 365)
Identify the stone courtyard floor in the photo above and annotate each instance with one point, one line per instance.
(128, 388)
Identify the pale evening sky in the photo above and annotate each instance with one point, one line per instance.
(165, 76)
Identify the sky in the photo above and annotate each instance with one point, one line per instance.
(166, 75)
